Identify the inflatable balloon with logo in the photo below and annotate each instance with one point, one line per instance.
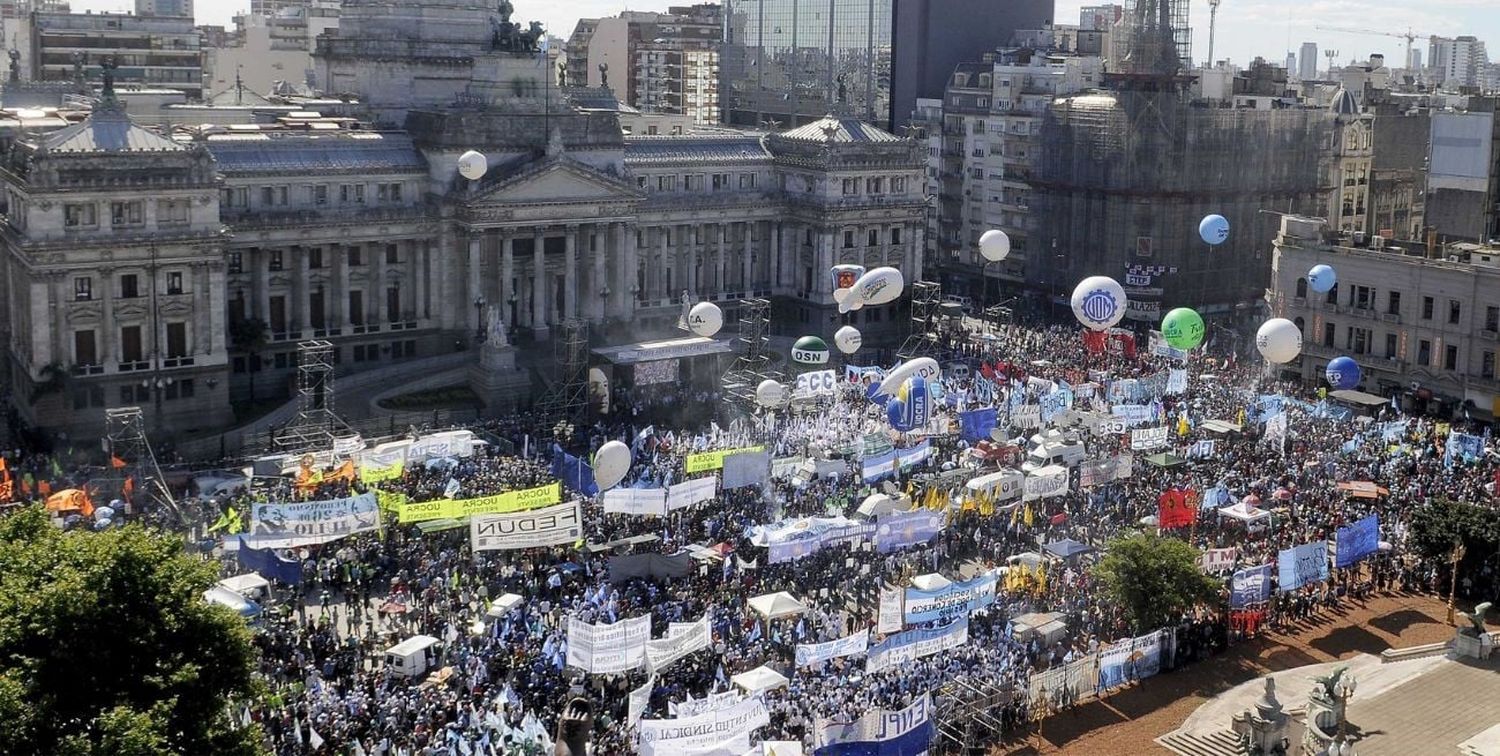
(848, 339)
(1322, 278)
(1182, 328)
(876, 287)
(1099, 302)
(1342, 373)
(1214, 229)
(1279, 340)
(705, 319)
(810, 350)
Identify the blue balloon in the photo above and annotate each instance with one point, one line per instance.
(1342, 373)
(873, 393)
(895, 410)
(1214, 229)
(1322, 279)
(918, 402)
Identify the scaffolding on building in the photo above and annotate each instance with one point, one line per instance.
(569, 397)
(316, 424)
(967, 716)
(926, 309)
(753, 363)
(1155, 38)
(131, 457)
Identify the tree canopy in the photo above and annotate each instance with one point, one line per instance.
(107, 646)
(1154, 579)
(1436, 527)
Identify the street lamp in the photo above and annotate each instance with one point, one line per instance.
(157, 384)
(478, 319)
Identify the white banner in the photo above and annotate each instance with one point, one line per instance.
(1142, 439)
(892, 611)
(285, 526)
(1217, 560)
(445, 444)
(679, 643)
(704, 732)
(907, 647)
(640, 698)
(644, 502)
(549, 526)
(348, 446)
(815, 383)
(809, 654)
(1026, 416)
(690, 492)
(608, 648)
(1041, 486)
(878, 731)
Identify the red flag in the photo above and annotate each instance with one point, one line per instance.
(1173, 510)
(1093, 341)
(116, 462)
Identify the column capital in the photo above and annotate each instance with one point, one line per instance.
(573, 228)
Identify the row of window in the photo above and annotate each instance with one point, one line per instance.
(132, 346)
(1364, 298)
(277, 320)
(1361, 341)
(872, 237)
(398, 350)
(92, 397)
(276, 258)
(127, 213)
(316, 195)
(129, 286)
(874, 185)
(697, 182)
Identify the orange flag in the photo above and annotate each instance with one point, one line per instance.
(116, 462)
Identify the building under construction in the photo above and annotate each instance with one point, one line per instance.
(1126, 175)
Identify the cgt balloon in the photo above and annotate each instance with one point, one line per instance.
(1342, 373)
(705, 319)
(472, 165)
(994, 245)
(1182, 328)
(925, 367)
(1322, 278)
(1279, 340)
(611, 463)
(771, 393)
(848, 339)
(1098, 302)
(875, 287)
(1214, 229)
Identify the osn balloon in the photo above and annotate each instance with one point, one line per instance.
(848, 339)
(810, 350)
(926, 367)
(1342, 373)
(771, 393)
(1214, 229)
(1322, 278)
(472, 165)
(1098, 302)
(705, 319)
(1182, 328)
(1279, 340)
(994, 245)
(875, 287)
(611, 463)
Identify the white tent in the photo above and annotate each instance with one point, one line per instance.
(225, 597)
(879, 504)
(1244, 513)
(932, 581)
(1028, 558)
(247, 585)
(777, 605)
(759, 680)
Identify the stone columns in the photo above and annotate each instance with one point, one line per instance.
(40, 336)
(721, 265)
(105, 342)
(915, 234)
(599, 250)
(215, 295)
(382, 317)
(690, 239)
(631, 274)
(475, 239)
(656, 275)
(339, 285)
(822, 262)
(301, 316)
(620, 287)
(747, 265)
(202, 327)
(262, 286)
(778, 258)
(418, 278)
(570, 272)
(539, 284)
(508, 278)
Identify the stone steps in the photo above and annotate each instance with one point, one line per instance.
(1391, 655)
(1219, 743)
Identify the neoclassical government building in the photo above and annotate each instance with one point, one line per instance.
(135, 256)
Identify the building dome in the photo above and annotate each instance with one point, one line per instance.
(1343, 103)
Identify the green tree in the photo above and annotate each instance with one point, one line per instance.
(108, 648)
(1440, 525)
(1154, 579)
(249, 335)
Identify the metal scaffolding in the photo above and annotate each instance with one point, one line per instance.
(753, 363)
(926, 307)
(967, 716)
(131, 457)
(316, 424)
(569, 397)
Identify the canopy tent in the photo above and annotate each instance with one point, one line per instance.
(71, 500)
(669, 349)
(1221, 426)
(1245, 512)
(225, 597)
(777, 605)
(932, 581)
(1050, 627)
(877, 505)
(1361, 398)
(1363, 489)
(1028, 558)
(759, 680)
(503, 605)
(247, 585)
(1067, 548)
(1166, 459)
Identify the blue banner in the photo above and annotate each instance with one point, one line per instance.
(573, 472)
(269, 565)
(1462, 446)
(1250, 586)
(1357, 541)
(879, 466)
(914, 455)
(880, 732)
(1303, 565)
(1264, 408)
(975, 425)
(1130, 659)
(901, 529)
(956, 600)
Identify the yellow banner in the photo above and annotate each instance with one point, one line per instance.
(713, 460)
(510, 501)
(389, 502)
(376, 473)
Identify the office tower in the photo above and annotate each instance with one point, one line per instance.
(1307, 65)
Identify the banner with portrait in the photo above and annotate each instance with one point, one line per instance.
(285, 526)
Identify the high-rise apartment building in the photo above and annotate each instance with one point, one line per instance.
(655, 62)
(1461, 61)
(153, 51)
(176, 8)
(1307, 62)
(1099, 17)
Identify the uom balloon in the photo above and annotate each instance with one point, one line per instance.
(1182, 328)
(1342, 373)
(925, 367)
(844, 278)
(1279, 340)
(705, 319)
(611, 463)
(1214, 229)
(875, 287)
(1098, 302)
(848, 339)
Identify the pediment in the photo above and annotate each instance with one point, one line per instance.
(556, 181)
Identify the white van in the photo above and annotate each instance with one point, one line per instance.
(1068, 453)
(414, 656)
(1003, 485)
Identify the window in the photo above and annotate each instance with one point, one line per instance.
(666, 183)
(130, 344)
(875, 185)
(392, 254)
(640, 182)
(1333, 295)
(1454, 311)
(315, 258)
(278, 315)
(88, 396)
(176, 340)
(280, 362)
(896, 235)
(267, 196)
(1492, 318)
(848, 240)
(1427, 305)
(320, 194)
(721, 182)
(1363, 297)
(747, 181)
(1424, 352)
(1487, 365)
(357, 307)
(316, 309)
(76, 216)
(1390, 346)
(275, 262)
(83, 289)
(1328, 334)
(1301, 288)
(130, 286)
(395, 192)
(126, 213)
(172, 212)
(851, 187)
(133, 394)
(236, 262)
(1393, 303)
(356, 258)
(898, 185)
(692, 182)
(1357, 340)
(281, 196)
(393, 304)
(174, 282)
(84, 351)
(874, 238)
(352, 194)
(1450, 357)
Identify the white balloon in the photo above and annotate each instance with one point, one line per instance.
(925, 367)
(770, 393)
(848, 339)
(611, 463)
(994, 245)
(1099, 302)
(705, 319)
(472, 165)
(1279, 340)
(876, 287)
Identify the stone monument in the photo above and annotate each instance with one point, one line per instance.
(1264, 730)
(1472, 641)
(494, 376)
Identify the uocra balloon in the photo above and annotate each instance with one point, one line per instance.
(848, 339)
(705, 319)
(771, 393)
(611, 463)
(1279, 340)
(1322, 278)
(994, 245)
(1214, 229)
(1182, 328)
(472, 165)
(895, 411)
(926, 367)
(1099, 302)
(1342, 373)
(875, 287)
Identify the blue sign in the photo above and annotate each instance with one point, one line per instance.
(901, 529)
(1303, 565)
(881, 732)
(1357, 541)
(975, 425)
(1250, 586)
(955, 600)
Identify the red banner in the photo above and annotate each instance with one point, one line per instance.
(1173, 510)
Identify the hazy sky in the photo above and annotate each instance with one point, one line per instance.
(1246, 28)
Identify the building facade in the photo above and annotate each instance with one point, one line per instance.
(1463, 175)
(1307, 61)
(655, 62)
(164, 8)
(1423, 328)
(1353, 150)
(150, 51)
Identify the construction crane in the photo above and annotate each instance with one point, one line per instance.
(1409, 36)
(1213, 12)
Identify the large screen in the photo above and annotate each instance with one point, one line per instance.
(661, 371)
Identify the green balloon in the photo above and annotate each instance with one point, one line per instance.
(1182, 328)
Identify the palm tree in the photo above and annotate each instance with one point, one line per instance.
(248, 335)
(55, 378)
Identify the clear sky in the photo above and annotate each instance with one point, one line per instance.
(1245, 28)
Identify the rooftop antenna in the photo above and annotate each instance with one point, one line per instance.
(1213, 12)
(1330, 55)
(239, 87)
